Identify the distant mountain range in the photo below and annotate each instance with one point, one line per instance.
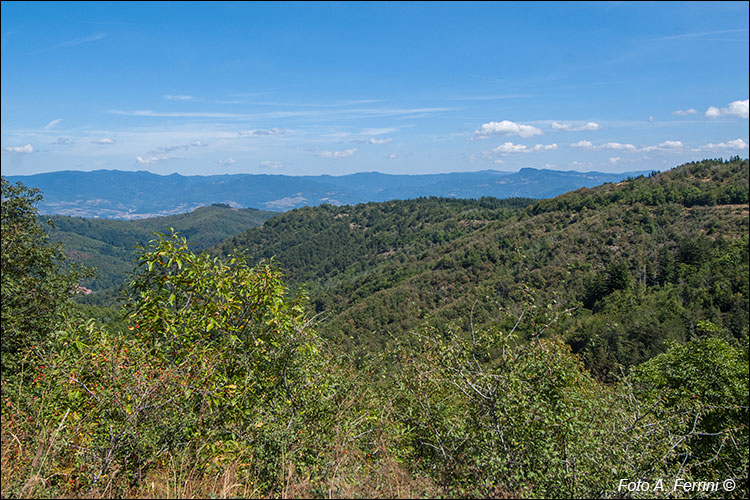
(118, 194)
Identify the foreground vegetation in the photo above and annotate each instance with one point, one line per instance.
(219, 384)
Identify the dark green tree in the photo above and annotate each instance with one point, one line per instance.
(36, 285)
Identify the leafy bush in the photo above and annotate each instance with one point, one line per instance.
(36, 286)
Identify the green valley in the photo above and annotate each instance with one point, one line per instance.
(109, 245)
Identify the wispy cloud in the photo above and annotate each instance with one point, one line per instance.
(335, 155)
(64, 141)
(580, 164)
(179, 97)
(700, 34)
(169, 149)
(76, 41)
(685, 112)
(227, 162)
(103, 140)
(271, 164)
(52, 123)
(28, 148)
(736, 108)
(180, 147)
(378, 131)
(153, 160)
(272, 131)
(510, 148)
(569, 127)
(177, 114)
(609, 145)
(489, 97)
(373, 140)
(506, 127)
(317, 114)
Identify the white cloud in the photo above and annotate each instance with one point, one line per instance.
(335, 155)
(736, 144)
(150, 160)
(227, 162)
(179, 97)
(506, 127)
(569, 127)
(198, 144)
(510, 148)
(379, 141)
(271, 164)
(617, 146)
(393, 156)
(583, 144)
(609, 145)
(736, 108)
(615, 159)
(665, 146)
(685, 112)
(103, 140)
(62, 141)
(52, 123)
(28, 148)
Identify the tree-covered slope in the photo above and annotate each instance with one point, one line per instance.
(219, 381)
(109, 245)
(652, 259)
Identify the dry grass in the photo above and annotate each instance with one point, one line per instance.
(27, 473)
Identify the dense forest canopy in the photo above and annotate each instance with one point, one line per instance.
(650, 259)
(427, 347)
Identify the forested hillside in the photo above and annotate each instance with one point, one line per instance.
(650, 259)
(471, 349)
(109, 245)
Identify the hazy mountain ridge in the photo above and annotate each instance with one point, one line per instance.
(133, 195)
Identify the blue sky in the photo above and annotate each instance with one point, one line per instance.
(335, 88)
